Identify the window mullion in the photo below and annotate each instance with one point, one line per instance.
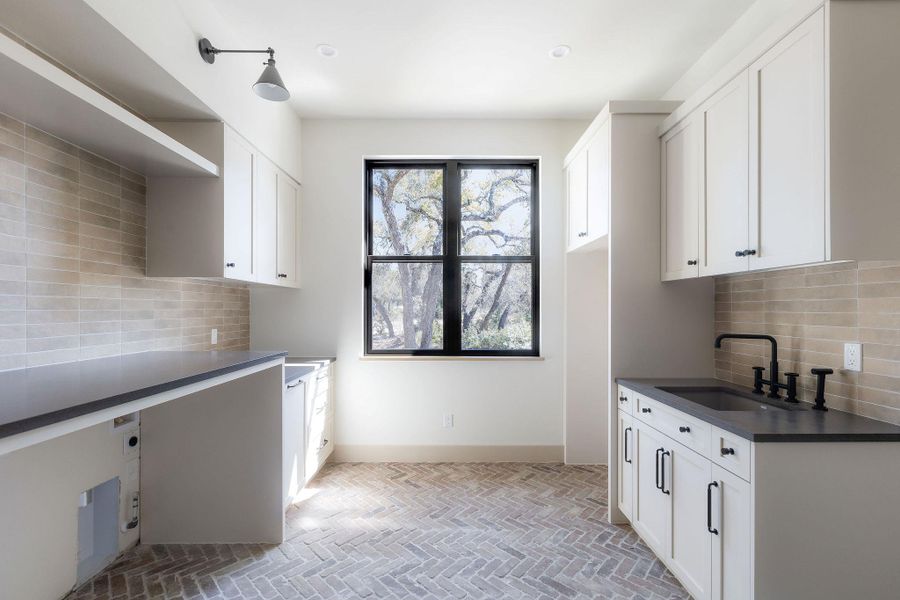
(452, 269)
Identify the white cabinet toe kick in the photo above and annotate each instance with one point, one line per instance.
(736, 519)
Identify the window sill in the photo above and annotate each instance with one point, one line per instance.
(411, 358)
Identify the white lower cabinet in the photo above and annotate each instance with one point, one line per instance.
(687, 476)
(729, 498)
(652, 504)
(693, 513)
(625, 471)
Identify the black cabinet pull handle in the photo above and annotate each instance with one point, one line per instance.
(727, 451)
(645, 410)
(750, 252)
(684, 429)
(229, 264)
(658, 485)
(709, 526)
(290, 387)
(663, 469)
(740, 253)
(625, 446)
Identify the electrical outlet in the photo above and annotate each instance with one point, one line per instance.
(448, 420)
(214, 337)
(853, 357)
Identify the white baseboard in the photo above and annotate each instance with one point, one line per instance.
(446, 453)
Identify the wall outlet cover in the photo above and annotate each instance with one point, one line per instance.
(448, 420)
(214, 337)
(853, 357)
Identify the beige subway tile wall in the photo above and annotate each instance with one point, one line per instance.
(72, 263)
(812, 312)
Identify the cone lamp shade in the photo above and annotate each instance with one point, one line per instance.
(270, 86)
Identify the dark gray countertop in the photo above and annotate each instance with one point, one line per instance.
(770, 425)
(39, 396)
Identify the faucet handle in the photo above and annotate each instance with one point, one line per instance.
(820, 387)
(758, 380)
(791, 387)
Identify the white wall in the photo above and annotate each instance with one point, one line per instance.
(587, 361)
(510, 403)
(168, 30)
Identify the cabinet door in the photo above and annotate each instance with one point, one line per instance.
(576, 174)
(288, 221)
(598, 184)
(238, 204)
(725, 184)
(626, 464)
(787, 149)
(294, 447)
(731, 574)
(690, 547)
(266, 221)
(651, 504)
(680, 200)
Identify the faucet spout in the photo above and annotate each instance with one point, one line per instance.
(774, 385)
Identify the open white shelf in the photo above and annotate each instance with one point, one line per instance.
(37, 92)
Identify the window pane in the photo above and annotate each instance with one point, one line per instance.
(497, 307)
(407, 306)
(407, 212)
(496, 212)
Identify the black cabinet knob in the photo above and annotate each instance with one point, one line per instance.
(133, 441)
(727, 451)
(750, 252)
(684, 429)
(283, 275)
(645, 410)
(623, 399)
(229, 264)
(739, 253)
(692, 262)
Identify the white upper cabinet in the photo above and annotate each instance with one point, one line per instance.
(577, 191)
(266, 222)
(680, 178)
(588, 191)
(288, 231)
(799, 148)
(787, 143)
(724, 185)
(241, 225)
(238, 174)
(598, 184)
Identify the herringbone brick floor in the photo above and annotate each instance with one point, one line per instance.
(430, 531)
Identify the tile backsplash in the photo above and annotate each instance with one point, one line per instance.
(812, 312)
(72, 263)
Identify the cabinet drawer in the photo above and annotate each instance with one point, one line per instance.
(626, 400)
(731, 452)
(683, 428)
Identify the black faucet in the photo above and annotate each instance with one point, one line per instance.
(772, 382)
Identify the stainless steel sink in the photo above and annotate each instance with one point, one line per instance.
(725, 399)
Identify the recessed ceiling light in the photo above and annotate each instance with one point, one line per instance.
(560, 51)
(326, 50)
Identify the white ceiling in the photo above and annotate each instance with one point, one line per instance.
(478, 58)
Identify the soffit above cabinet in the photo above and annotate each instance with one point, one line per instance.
(75, 35)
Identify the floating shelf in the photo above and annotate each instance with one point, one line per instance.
(41, 94)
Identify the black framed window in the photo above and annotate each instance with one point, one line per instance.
(452, 257)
